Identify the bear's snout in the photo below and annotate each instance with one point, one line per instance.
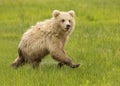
(67, 27)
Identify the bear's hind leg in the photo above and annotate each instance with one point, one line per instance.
(36, 63)
(18, 62)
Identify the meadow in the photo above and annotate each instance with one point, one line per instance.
(95, 43)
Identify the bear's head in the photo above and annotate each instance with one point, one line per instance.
(64, 20)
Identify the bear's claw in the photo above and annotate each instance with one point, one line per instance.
(75, 65)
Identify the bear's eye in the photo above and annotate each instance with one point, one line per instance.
(69, 20)
(62, 20)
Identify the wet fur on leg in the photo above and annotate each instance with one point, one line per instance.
(60, 64)
(19, 61)
(35, 63)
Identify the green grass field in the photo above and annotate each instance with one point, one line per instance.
(95, 43)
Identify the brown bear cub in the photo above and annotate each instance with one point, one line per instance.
(47, 37)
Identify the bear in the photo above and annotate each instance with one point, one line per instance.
(47, 37)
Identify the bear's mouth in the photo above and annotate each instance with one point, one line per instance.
(67, 28)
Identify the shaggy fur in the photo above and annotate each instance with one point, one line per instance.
(47, 37)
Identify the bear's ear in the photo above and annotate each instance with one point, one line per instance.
(72, 13)
(56, 13)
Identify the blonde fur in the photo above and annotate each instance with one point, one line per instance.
(47, 37)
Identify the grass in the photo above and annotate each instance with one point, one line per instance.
(95, 43)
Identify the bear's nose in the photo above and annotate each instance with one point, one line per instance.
(68, 26)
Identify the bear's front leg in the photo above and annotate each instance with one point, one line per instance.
(59, 55)
(60, 64)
